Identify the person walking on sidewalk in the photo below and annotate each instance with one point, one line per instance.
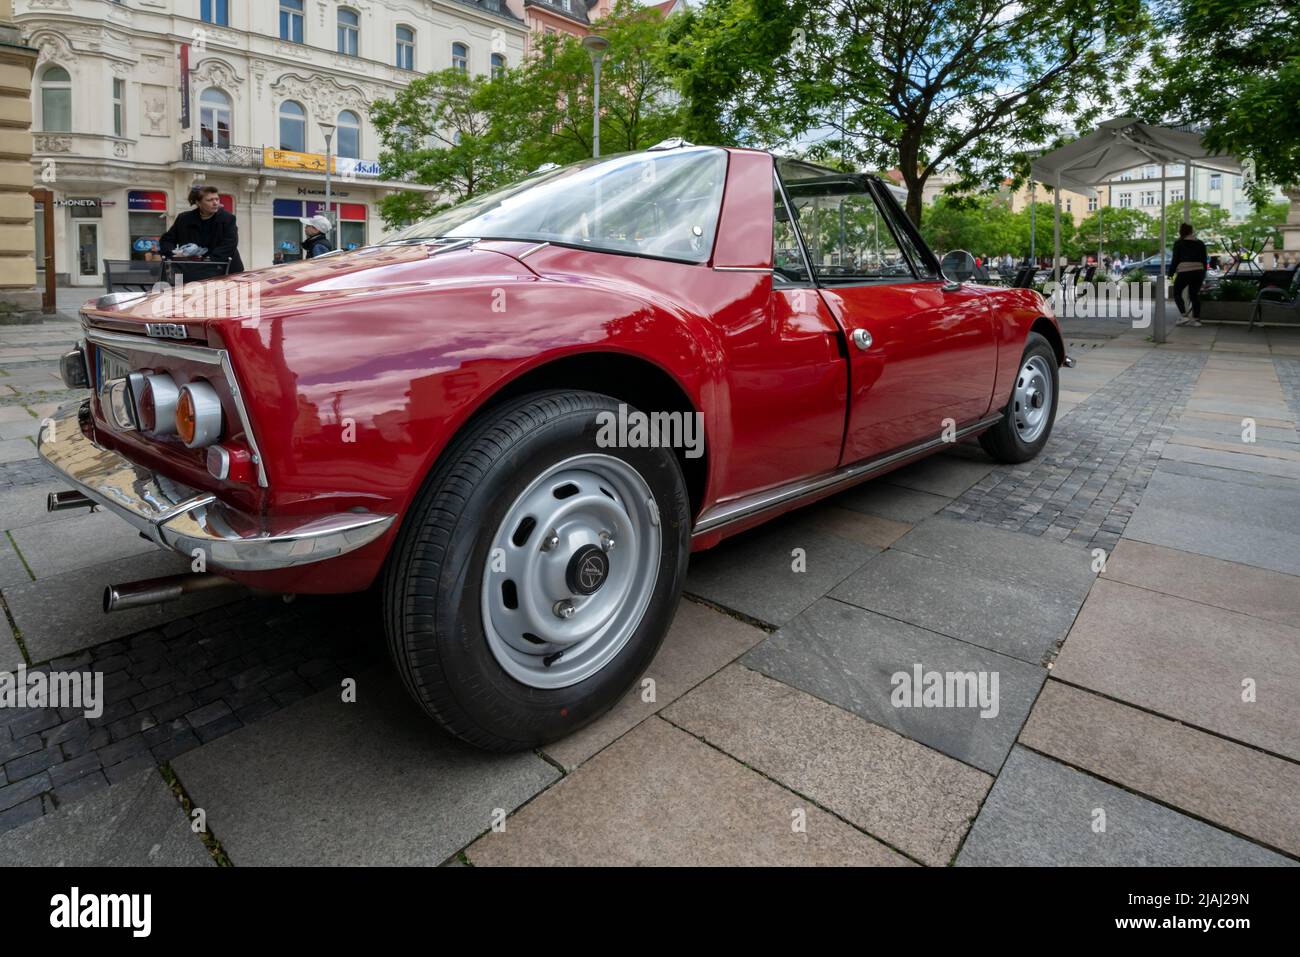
(1189, 264)
(317, 241)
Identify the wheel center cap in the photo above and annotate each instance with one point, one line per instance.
(1036, 399)
(587, 570)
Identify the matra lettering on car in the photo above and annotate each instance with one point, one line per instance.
(423, 417)
(165, 330)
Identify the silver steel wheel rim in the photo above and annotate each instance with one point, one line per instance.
(583, 502)
(1031, 400)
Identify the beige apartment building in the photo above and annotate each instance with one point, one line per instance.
(133, 103)
(17, 237)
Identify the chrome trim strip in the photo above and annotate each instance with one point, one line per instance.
(178, 517)
(740, 269)
(202, 354)
(722, 515)
(530, 250)
(123, 340)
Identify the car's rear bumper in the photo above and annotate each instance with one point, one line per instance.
(184, 519)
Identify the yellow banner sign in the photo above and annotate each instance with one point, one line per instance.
(288, 159)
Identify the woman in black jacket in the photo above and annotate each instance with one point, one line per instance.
(207, 225)
(1189, 263)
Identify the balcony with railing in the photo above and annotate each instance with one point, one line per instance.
(240, 157)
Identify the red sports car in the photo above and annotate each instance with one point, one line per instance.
(517, 418)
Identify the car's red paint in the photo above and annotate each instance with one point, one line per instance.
(358, 370)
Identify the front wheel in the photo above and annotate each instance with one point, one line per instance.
(1031, 411)
(536, 574)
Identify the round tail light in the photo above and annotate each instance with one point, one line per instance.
(198, 414)
(155, 403)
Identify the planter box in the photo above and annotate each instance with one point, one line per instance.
(1226, 311)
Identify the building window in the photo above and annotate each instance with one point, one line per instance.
(214, 118)
(1150, 198)
(405, 48)
(1127, 174)
(215, 11)
(460, 57)
(349, 135)
(1069, 205)
(1216, 181)
(1125, 200)
(349, 31)
(1092, 204)
(498, 66)
(1176, 195)
(56, 100)
(293, 127)
(119, 107)
(291, 20)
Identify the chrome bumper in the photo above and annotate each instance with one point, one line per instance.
(178, 517)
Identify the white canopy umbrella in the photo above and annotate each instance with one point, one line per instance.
(1117, 145)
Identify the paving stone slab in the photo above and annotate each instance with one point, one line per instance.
(970, 602)
(370, 783)
(947, 475)
(1188, 661)
(1236, 787)
(909, 796)
(15, 450)
(755, 572)
(857, 526)
(65, 613)
(85, 540)
(847, 656)
(12, 569)
(26, 506)
(893, 502)
(659, 796)
(1241, 461)
(1238, 522)
(1236, 587)
(136, 822)
(11, 656)
(1042, 813)
(1011, 556)
(700, 641)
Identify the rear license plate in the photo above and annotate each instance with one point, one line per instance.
(112, 365)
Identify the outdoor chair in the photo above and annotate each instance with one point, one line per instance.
(195, 270)
(1025, 277)
(1279, 293)
(129, 275)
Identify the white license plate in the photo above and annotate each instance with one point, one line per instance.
(112, 365)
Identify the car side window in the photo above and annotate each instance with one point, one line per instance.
(922, 263)
(787, 258)
(848, 238)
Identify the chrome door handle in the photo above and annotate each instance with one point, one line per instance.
(862, 339)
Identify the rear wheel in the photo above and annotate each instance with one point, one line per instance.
(1031, 411)
(537, 573)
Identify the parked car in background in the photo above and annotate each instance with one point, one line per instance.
(468, 418)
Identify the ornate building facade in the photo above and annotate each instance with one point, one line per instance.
(135, 102)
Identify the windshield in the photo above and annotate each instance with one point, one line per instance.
(662, 204)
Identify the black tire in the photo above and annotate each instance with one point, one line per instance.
(433, 580)
(1003, 441)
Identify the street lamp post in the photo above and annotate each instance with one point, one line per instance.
(328, 130)
(596, 47)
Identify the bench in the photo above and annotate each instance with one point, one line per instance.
(131, 275)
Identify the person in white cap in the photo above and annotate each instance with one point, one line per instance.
(317, 240)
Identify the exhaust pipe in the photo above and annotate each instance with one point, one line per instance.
(153, 591)
(62, 501)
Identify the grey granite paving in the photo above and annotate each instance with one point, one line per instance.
(136, 822)
(849, 657)
(1235, 521)
(910, 796)
(948, 474)
(759, 574)
(1228, 784)
(79, 542)
(370, 783)
(894, 502)
(1041, 813)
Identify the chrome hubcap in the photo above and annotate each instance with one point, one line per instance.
(1031, 400)
(559, 599)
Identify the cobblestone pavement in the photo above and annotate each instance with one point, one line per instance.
(1086, 484)
(1288, 373)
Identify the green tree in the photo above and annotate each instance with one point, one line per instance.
(920, 86)
(1119, 230)
(1232, 67)
(1259, 226)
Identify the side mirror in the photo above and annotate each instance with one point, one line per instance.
(957, 267)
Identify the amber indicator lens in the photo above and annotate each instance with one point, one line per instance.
(185, 423)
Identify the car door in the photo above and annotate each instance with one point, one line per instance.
(921, 352)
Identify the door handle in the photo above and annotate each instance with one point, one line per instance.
(862, 339)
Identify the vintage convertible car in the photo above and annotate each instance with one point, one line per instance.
(516, 419)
